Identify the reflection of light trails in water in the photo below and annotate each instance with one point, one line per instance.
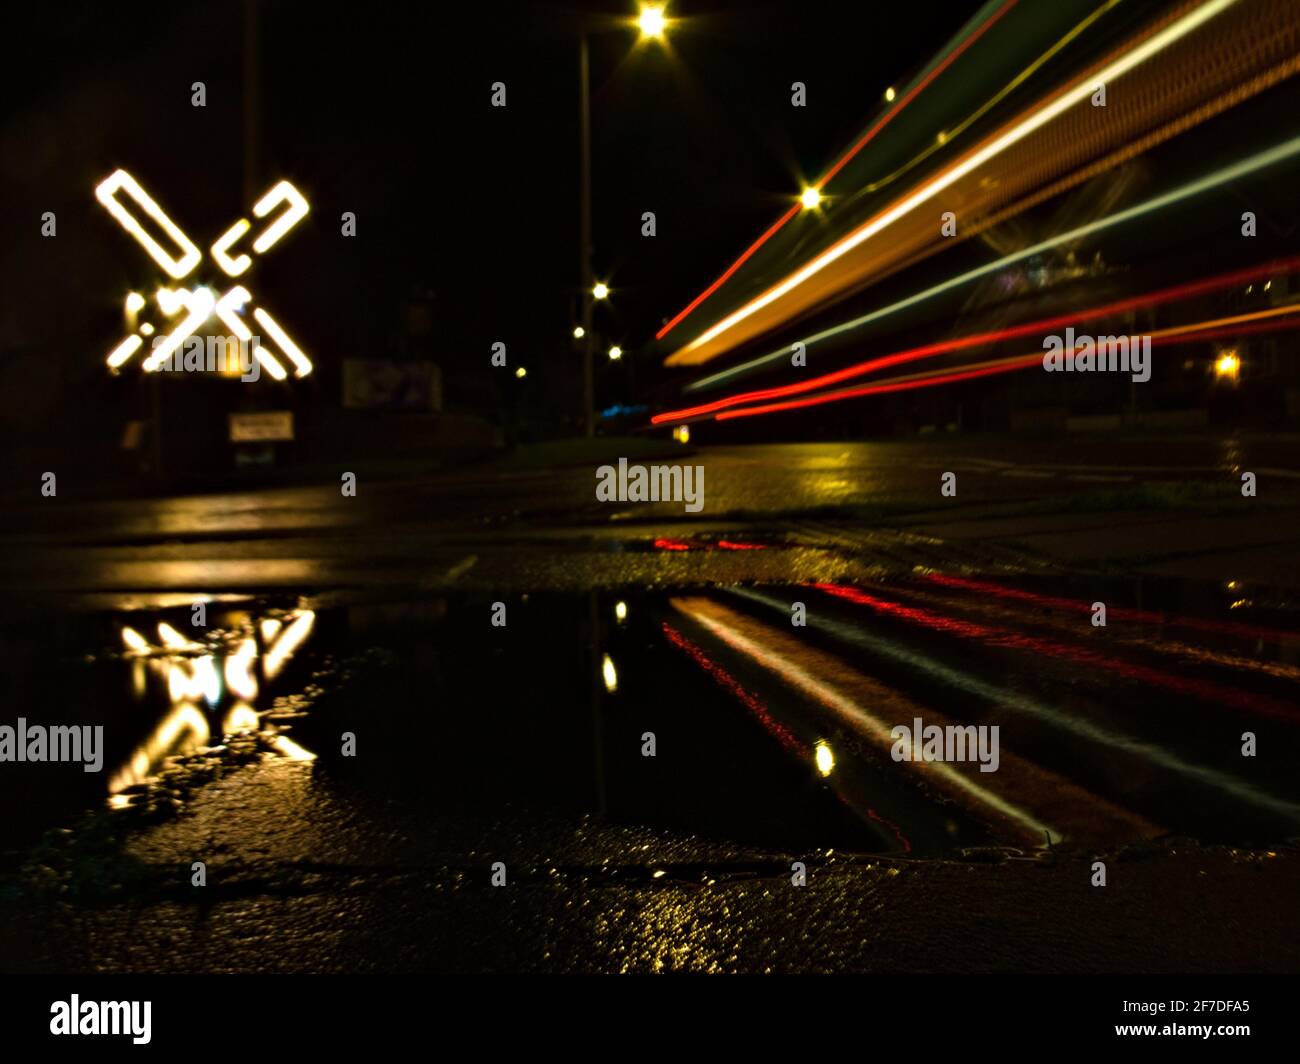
(1056, 613)
(870, 725)
(1125, 613)
(818, 754)
(192, 677)
(1204, 690)
(733, 687)
(1009, 699)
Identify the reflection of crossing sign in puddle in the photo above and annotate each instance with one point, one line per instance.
(200, 303)
(265, 426)
(224, 676)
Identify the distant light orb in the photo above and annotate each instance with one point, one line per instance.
(620, 611)
(890, 94)
(811, 198)
(1228, 365)
(609, 673)
(682, 434)
(615, 353)
(134, 303)
(652, 21)
(579, 332)
(601, 290)
(521, 373)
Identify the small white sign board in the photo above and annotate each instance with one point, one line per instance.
(265, 426)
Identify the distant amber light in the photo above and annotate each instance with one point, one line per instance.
(1228, 366)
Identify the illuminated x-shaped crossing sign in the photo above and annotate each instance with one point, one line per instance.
(199, 303)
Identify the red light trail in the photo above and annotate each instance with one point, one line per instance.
(926, 380)
(1151, 299)
(1204, 690)
(1245, 631)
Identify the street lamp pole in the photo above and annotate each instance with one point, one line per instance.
(584, 242)
(652, 23)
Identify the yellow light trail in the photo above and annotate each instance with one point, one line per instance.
(1080, 91)
(1218, 178)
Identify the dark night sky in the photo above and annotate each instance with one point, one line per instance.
(383, 109)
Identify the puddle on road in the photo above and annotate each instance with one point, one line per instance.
(771, 725)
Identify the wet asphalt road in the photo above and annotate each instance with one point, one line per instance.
(525, 743)
(506, 526)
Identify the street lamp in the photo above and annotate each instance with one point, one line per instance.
(652, 21)
(1227, 366)
(615, 353)
(653, 24)
(811, 198)
(579, 332)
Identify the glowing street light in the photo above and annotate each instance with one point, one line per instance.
(615, 353)
(652, 22)
(601, 290)
(811, 198)
(1227, 366)
(890, 94)
(824, 757)
(579, 332)
(521, 373)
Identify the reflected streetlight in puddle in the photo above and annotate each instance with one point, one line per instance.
(824, 757)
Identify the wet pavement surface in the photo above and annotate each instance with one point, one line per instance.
(473, 744)
(651, 731)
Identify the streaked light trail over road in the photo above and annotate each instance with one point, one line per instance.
(1217, 179)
